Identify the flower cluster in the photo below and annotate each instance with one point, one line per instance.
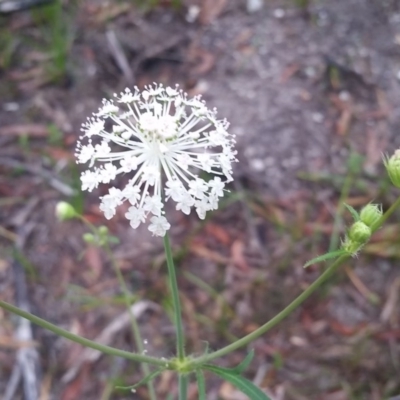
(163, 139)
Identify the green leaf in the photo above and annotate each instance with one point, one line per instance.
(353, 212)
(201, 384)
(244, 364)
(145, 380)
(243, 384)
(324, 257)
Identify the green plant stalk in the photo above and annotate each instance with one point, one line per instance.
(135, 327)
(183, 386)
(197, 362)
(180, 340)
(193, 364)
(81, 340)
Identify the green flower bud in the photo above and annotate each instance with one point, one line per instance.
(359, 232)
(65, 211)
(103, 230)
(89, 238)
(392, 165)
(370, 214)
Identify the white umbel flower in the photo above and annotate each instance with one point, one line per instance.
(164, 140)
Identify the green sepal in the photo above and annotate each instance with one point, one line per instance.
(324, 257)
(353, 212)
(145, 380)
(244, 385)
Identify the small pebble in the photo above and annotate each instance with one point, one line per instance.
(11, 107)
(192, 14)
(279, 13)
(317, 117)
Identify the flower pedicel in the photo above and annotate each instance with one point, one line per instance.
(163, 139)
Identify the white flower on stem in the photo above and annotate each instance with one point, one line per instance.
(198, 187)
(102, 149)
(206, 162)
(174, 189)
(110, 201)
(185, 203)
(90, 180)
(129, 164)
(217, 186)
(132, 194)
(135, 216)
(153, 205)
(108, 172)
(164, 140)
(159, 225)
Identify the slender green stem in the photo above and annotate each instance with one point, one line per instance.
(135, 327)
(180, 340)
(272, 322)
(291, 307)
(183, 386)
(81, 340)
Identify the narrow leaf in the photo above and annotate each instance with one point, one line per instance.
(324, 257)
(239, 369)
(145, 380)
(243, 384)
(353, 212)
(201, 384)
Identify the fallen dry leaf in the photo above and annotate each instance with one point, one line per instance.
(345, 330)
(204, 252)
(95, 264)
(218, 232)
(238, 257)
(344, 121)
(74, 390)
(12, 343)
(45, 387)
(109, 11)
(390, 309)
(360, 286)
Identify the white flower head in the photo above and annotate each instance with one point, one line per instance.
(163, 140)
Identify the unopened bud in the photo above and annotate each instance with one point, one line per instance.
(359, 232)
(65, 211)
(103, 230)
(370, 214)
(89, 238)
(392, 165)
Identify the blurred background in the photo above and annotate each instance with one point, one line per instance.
(312, 91)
